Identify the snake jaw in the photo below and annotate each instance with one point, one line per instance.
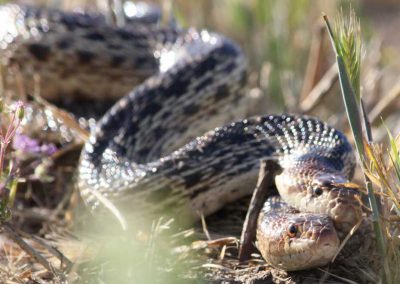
(342, 204)
(327, 243)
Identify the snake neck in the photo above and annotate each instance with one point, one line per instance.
(222, 165)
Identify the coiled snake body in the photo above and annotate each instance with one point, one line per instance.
(140, 156)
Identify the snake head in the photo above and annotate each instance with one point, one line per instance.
(328, 194)
(297, 241)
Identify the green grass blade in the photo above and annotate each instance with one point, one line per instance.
(395, 165)
(394, 155)
(352, 109)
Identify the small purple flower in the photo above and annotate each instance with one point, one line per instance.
(48, 149)
(29, 145)
(25, 144)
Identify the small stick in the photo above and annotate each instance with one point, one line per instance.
(27, 248)
(385, 106)
(315, 61)
(116, 13)
(266, 175)
(64, 261)
(320, 90)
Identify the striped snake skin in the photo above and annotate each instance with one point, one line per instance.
(147, 153)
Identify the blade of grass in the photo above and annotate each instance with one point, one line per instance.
(394, 155)
(396, 166)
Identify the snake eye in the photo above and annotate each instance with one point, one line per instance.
(292, 231)
(318, 191)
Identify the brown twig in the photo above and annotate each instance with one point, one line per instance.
(65, 263)
(27, 248)
(115, 13)
(320, 90)
(265, 180)
(385, 105)
(315, 60)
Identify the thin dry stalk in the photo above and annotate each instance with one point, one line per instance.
(265, 180)
(320, 90)
(385, 105)
(27, 248)
(315, 61)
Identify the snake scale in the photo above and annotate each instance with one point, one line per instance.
(146, 154)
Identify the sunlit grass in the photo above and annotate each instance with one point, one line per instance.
(382, 169)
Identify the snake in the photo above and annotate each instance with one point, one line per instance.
(149, 153)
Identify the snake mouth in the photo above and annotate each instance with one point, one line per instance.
(325, 247)
(315, 248)
(327, 242)
(346, 211)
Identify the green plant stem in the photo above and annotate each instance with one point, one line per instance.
(351, 106)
